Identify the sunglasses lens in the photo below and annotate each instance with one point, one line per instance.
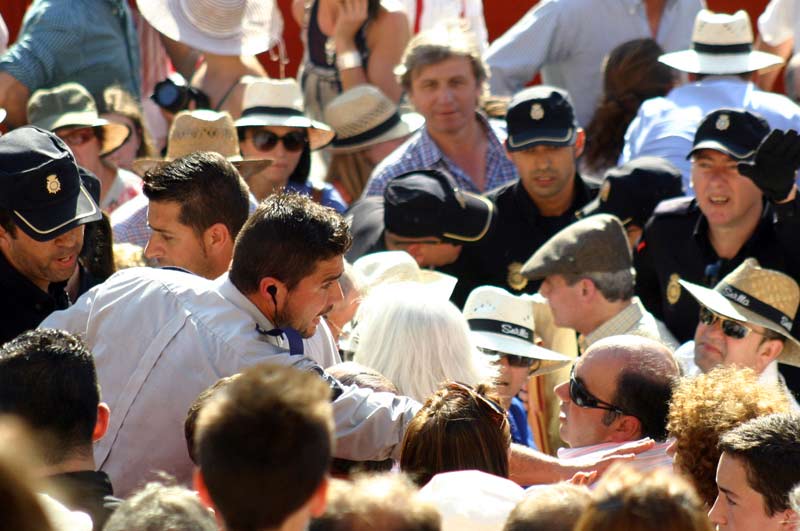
(294, 141)
(519, 361)
(265, 140)
(707, 317)
(733, 329)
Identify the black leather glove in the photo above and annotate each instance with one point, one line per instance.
(775, 164)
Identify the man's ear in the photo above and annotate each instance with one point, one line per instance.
(416, 250)
(199, 484)
(216, 237)
(767, 351)
(101, 425)
(587, 287)
(580, 142)
(629, 428)
(790, 520)
(319, 500)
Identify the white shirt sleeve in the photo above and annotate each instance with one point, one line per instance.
(779, 21)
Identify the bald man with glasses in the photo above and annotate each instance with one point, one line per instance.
(746, 320)
(618, 392)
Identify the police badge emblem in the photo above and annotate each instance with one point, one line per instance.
(53, 184)
(673, 289)
(537, 111)
(515, 278)
(605, 189)
(723, 122)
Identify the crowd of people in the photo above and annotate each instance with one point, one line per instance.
(408, 289)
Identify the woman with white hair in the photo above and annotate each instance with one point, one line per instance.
(417, 339)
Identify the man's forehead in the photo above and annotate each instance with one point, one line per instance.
(713, 155)
(434, 70)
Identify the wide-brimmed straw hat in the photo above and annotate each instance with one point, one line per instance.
(71, 105)
(399, 266)
(279, 102)
(204, 130)
(753, 294)
(721, 44)
(222, 27)
(363, 116)
(503, 322)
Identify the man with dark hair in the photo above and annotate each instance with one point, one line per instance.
(759, 466)
(197, 205)
(43, 209)
(618, 391)
(48, 378)
(253, 478)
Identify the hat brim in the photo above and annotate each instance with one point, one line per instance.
(536, 137)
(247, 168)
(409, 123)
(695, 62)
(517, 347)
(735, 151)
(114, 134)
(68, 214)
(474, 224)
(167, 17)
(719, 304)
(319, 134)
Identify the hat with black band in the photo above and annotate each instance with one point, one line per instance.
(755, 295)
(40, 184)
(503, 323)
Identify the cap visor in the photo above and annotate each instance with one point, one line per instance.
(44, 224)
(474, 222)
(735, 151)
(550, 137)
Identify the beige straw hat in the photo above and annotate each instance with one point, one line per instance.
(503, 322)
(204, 130)
(399, 266)
(363, 116)
(721, 44)
(753, 294)
(279, 102)
(222, 27)
(71, 105)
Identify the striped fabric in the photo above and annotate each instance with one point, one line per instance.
(654, 458)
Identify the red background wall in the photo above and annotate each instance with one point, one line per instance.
(497, 20)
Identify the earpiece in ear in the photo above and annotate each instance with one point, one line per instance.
(272, 290)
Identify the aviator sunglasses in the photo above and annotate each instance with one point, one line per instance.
(265, 140)
(512, 359)
(729, 327)
(583, 398)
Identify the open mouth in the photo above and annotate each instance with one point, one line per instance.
(718, 199)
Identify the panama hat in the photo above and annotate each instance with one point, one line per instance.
(753, 294)
(399, 266)
(71, 105)
(279, 102)
(503, 322)
(721, 44)
(223, 27)
(203, 130)
(363, 116)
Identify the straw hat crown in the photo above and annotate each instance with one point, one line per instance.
(358, 110)
(722, 28)
(771, 287)
(489, 302)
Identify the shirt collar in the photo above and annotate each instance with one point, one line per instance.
(619, 324)
(232, 294)
(431, 155)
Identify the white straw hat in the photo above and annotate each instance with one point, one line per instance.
(204, 130)
(721, 44)
(279, 102)
(503, 322)
(399, 266)
(753, 294)
(222, 27)
(363, 116)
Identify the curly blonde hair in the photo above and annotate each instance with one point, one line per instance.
(708, 405)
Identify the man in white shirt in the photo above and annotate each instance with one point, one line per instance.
(746, 320)
(778, 29)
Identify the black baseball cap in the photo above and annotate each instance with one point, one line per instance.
(428, 203)
(40, 184)
(735, 132)
(632, 191)
(540, 115)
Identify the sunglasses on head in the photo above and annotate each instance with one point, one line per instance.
(265, 140)
(77, 137)
(514, 360)
(730, 328)
(496, 409)
(583, 398)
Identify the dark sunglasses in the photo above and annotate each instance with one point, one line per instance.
(729, 327)
(77, 137)
(264, 140)
(583, 398)
(513, 360)
(496, 409)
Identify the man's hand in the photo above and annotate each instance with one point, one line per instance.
(775, 165)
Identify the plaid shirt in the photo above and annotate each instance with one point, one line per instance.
(421, 152)
(633, 320)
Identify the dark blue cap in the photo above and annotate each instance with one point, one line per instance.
(540, 115)
(735, 132)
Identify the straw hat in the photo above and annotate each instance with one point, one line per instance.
(752, 294)
(279, 102)
(204, 130)
(223, 27)
(363, 116)
(71, 105)
(399, 266)
(503, 322)
(721, 44)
